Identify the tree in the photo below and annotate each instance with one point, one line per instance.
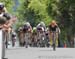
(64, 14)
(35, 11)
(8, 4)
(63, 11)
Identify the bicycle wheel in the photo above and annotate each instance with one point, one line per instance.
(54, 42)
(54, 47)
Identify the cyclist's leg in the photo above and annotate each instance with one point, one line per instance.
(35, 41)
(38, 39)
(23, 39)
(50, 39)
(53, 37)
(56, 39)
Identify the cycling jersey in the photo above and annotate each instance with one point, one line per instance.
(52, 28)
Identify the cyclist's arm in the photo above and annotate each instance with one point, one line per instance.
(58, 30)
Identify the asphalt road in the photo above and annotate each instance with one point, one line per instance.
(40, 53)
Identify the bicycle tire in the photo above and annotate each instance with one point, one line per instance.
(54, 47)
(54, 42)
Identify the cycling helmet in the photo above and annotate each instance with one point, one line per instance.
(34, 29)
(27, 23)
(53, 22)
(1, 6)
(42, 23)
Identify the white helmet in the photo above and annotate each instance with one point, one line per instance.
(27, 23)
(42, 23)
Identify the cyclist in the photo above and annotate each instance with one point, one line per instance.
(41, 24)
(53, 28)
(14, 37)
(47, 40)
(34, 37)
(27, 29)
(41, 28)
(21, 36)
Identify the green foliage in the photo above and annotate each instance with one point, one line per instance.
(8, 4)
(34, 11)
(64, 13)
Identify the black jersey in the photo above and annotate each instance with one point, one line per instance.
(52, 28)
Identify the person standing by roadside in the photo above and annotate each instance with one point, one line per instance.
(5, 22)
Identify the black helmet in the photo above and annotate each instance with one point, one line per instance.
(1, 6)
